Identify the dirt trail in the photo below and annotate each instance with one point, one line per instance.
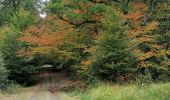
(33, 97)
(44, 85)
(50, 86)
(47, 84)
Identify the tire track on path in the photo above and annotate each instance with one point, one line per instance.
(52, 89)
(37, 92)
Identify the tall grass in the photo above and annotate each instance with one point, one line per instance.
(132, 92)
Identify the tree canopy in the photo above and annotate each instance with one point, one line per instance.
(115, 40)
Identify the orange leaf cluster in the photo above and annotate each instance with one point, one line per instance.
(86, 62)
(22, 52)
(77, 11)
(134, 16)
(44, 37)
(140, 6)
(147, 55)
(139, 33)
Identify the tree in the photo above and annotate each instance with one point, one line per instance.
(114, 29)
(152, 55)
(18, 67)
(113, 56)
(8, 7)
(92, 19)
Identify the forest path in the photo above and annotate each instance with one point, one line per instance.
(46, 88)
(50, 86)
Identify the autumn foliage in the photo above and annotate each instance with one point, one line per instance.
(115, 40)
(42, 38)
(77, 37)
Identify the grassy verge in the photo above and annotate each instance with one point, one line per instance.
(131, 92)
(11, 89)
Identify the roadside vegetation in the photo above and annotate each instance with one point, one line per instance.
(125, 92)
(120, 41)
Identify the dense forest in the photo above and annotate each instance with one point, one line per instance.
(120, 41)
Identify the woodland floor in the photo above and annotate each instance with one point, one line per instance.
(49, 86)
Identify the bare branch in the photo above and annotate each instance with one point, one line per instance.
(79, 24)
